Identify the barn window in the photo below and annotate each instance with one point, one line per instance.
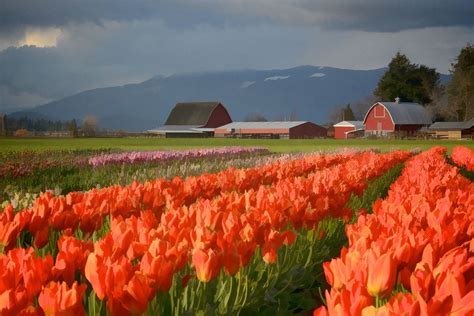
(379, 111)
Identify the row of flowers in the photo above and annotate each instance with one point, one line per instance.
(415, 254)
(157, 156)
(25, 163)
(87, 210)
(140, 254)
(223, 233)
(463, 157)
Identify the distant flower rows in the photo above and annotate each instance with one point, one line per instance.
(155, 156)
(26, 163)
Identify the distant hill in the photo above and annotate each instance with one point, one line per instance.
(306, 92)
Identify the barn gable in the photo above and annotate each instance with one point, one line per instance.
(195, 113)
(194, 119)
(403, 113)
(389, 118)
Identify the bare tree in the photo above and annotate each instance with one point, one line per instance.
(439, 108)
(293, 116)
(255, 117)
(89, 125)
(336, 114)
(362, 106)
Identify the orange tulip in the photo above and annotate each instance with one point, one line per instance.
(381, 276)
(349, 301)
(159, 270)
(464, 306)
(12, 301)
(11, 225)
(422, 283)
(135, 295)
(207, 264)
(336, 272)
(58, 299)
(72, 257)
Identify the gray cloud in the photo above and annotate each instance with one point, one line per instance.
(365, 15)
(17, 15)
(112, 42)
(91, 56)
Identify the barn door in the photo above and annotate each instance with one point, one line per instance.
(379, 128)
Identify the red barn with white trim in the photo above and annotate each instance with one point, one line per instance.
(390, 118)
(342, 129)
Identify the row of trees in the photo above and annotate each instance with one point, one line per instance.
(36, 124)
(88, 127)
(421, 84)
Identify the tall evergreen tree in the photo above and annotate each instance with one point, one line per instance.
(342, 113)
(409, 82)
(461, 87)
(348, 113)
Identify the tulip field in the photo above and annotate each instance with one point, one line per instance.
(237, 231)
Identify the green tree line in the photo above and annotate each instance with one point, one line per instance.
(419, 83)
(39, 124)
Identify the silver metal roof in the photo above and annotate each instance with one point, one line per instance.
(405, 113)
(177, 129)
(262, 125)
(452, 125)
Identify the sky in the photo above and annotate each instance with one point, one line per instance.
(51, 49)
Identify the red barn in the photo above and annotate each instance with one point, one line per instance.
(395, 118)
(342, 129)
(194, 119)
(284, 129)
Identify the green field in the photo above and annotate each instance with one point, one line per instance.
(275, 145)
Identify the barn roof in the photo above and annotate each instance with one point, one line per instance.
(263, 125)
(191, 113)
(452, 125)
(355, 124)
(405, 113)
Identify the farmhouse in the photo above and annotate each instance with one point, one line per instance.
(345, 129)
(283, 129)
(194, 119)
(395, 118)
(452, 130)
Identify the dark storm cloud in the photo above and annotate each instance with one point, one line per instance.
(112, 42)
(391, 16)
(366, 15)
(18, 14)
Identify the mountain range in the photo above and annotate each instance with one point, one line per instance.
(304, 93)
